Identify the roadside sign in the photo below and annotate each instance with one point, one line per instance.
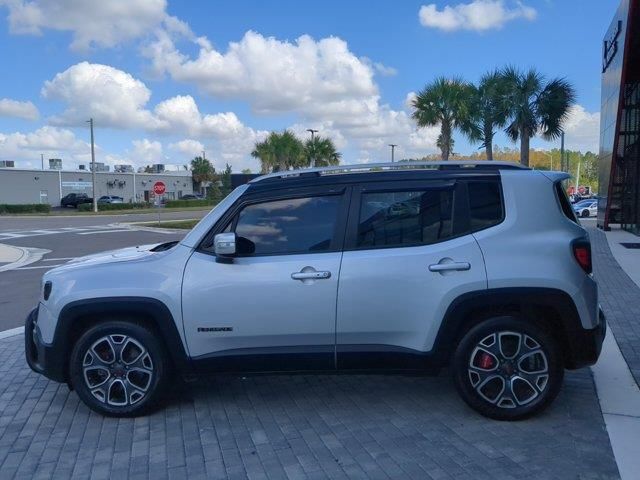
(159, 188)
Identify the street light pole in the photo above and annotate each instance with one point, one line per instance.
(393, 148)
(42, 160)
(93, 168)
(313, 158)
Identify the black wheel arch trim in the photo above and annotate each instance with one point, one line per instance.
(581, 346)
(152, 309)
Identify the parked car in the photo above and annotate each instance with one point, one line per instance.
(586, 208)
(190, 196)
(75, 199)
(309, 271)
(110, 199)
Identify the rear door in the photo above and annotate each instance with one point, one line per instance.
(409, 253)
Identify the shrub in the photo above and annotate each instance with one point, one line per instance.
(189, 203)
(26, 208)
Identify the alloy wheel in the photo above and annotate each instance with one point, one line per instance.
(118, 370)
(508, 369)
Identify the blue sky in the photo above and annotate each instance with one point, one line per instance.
(164, 81)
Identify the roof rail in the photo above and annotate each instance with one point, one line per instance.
(369, 167)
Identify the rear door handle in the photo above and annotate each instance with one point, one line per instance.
(314, 275)
(447, 267)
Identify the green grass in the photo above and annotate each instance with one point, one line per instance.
(181, 224)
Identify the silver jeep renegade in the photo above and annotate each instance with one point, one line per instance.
(395, 268)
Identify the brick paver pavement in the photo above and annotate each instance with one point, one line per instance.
(620, 300)
(290, 427)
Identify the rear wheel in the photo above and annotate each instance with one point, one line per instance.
(119, 369)
(585, 213)
(508, 369)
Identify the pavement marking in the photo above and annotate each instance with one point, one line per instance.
(11, 332)
(11, 235)
(619, 398)
(40, 266)
(57, 259)
(30, 255)
(105, 231)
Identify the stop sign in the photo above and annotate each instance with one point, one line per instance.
(159, 188)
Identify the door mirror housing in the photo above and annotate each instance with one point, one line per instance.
(224, 244)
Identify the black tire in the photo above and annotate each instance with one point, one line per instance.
(136, 369)
(482, 368)
(585, 213)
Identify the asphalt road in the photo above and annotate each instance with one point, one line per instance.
(19, 288)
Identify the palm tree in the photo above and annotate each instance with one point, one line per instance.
(279, 151)
(321, 152)
(443, 102)
(535, 106)
(488, 111)
(201, 171)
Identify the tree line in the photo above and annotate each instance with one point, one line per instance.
(523, 103)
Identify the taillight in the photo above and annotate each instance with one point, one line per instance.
(582, 254)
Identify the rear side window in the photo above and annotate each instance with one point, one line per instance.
(299, 225)
(565, 204)
(485, 204)
(403, 218)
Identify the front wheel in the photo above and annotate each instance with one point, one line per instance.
(585, 213)
(508, 369)
(119, 369)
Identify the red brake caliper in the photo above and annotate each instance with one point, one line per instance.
(486, 361)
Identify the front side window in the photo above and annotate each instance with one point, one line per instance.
(402, 218)
(300, 225)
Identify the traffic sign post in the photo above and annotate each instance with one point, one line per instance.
(158, 189)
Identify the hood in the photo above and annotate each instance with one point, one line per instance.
(112, 256)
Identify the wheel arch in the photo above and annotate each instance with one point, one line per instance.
(551, 309)
(77, 317)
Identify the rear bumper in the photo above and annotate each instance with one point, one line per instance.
(585, 345)
(41, 358)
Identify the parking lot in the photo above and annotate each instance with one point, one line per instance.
(287, 426)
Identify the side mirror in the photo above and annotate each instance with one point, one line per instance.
(224, 244)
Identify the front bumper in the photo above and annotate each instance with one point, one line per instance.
(585, 345)
(42, 358)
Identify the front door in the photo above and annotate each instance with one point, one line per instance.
(273, 306)
(407, 257)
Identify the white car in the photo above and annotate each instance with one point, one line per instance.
(586, 208)
(315, 271)
(110, 199)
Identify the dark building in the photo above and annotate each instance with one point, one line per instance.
(619, 160)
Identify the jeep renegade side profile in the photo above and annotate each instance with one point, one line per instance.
(393, 268)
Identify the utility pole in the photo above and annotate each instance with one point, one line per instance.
(93, 168)
(393, 148)
(563, 163)
(313, 158)
(42, 160)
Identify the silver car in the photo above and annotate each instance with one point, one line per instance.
(339, 269)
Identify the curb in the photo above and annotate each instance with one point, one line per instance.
(11, 332)
(29, 255)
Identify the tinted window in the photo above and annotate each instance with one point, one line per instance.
(289, 226)
(565, 205)
(485, 204)
(405, 218)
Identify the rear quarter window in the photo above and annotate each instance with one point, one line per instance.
(485, 204)
(565, 204)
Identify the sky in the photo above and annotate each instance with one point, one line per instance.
(166, 80)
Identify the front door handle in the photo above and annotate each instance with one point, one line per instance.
(448, 267)
(310, 275)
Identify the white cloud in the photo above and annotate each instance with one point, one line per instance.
(188, 147)
(113, 98)
(478, 15)
(17, 109)
(299, 76)
(49, 141)
(146, 151)
(582, 129)
(101, 23)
